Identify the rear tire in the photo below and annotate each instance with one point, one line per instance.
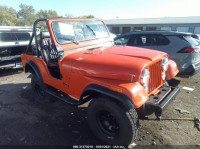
(111, 123)
(38, 88)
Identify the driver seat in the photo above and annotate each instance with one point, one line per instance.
(50, 55)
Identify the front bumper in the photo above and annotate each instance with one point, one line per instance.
(157, 103)
(14, 62)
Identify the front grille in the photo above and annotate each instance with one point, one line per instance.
(155, 75)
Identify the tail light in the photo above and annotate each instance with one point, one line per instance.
(187, 50)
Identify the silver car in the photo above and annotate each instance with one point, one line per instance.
(181, 47)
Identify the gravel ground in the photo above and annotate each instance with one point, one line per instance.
(24, 121)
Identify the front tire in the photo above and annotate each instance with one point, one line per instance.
(38, 88)
(112, 123)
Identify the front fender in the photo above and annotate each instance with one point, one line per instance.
(172, 70)
(122, 99)
(31, 66)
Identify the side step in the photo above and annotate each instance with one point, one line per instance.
(62, 96)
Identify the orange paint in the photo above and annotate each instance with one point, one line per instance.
(111, 67)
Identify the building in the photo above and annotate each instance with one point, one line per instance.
(181, 24)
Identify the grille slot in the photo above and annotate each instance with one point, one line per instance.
(155, 75)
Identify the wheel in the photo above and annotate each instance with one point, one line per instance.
(38, 88)
(111, 123)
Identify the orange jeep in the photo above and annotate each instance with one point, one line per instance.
(75, 60)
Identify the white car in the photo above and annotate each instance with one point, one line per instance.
(13, 42)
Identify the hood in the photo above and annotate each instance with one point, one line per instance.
(116, 62)
(136, 52)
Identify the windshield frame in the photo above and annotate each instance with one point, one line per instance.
(78, 20)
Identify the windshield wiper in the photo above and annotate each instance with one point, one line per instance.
(69, 39)
(91, 30)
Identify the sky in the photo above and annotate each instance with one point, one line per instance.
(112, 9)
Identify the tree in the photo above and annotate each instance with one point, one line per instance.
(47, 14)
(88, 16)
(8, 16)
(69, 15)
(26, 15)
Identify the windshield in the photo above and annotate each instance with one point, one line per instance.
(74, 31)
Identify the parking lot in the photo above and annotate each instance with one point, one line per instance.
(25, 121)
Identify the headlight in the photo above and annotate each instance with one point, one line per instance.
(165, 63)
(163, 75)
(145, 76)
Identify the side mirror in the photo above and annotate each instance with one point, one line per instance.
(60, 52)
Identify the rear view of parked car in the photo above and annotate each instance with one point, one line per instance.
(181, 47)
(13, 42)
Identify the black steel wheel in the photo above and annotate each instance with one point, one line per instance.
(107, 123)
(112, 123)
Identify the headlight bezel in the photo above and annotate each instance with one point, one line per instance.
(145, 77)
(165, 64)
